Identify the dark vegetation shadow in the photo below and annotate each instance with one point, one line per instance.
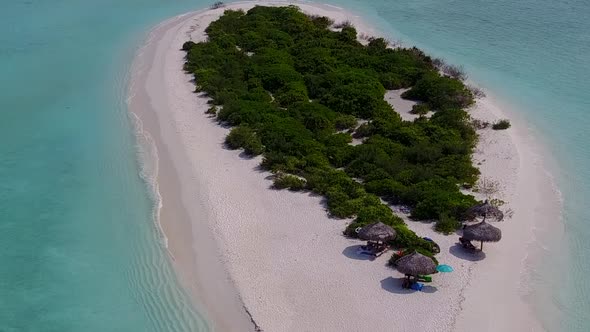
(258, 168)
(246, 156)
(353, 252)
(222, 124)
(469, 255)
(242, 154)
(314, 194)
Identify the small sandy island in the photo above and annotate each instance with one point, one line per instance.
(246, 251)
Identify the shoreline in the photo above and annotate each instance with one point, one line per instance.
(284, 278)
(536, 228)
(172, 216)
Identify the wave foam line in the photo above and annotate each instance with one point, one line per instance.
(147, 155)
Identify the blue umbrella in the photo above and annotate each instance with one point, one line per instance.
(444, 268)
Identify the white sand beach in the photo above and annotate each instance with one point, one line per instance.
(237, 243)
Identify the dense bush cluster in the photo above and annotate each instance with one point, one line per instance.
(294, 88)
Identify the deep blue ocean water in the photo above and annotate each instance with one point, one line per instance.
(78, 247)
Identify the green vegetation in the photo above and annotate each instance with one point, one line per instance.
(501, 125)
(294, 91)
(211, 110)
(288, 181)
(447, 225)
(420, 109)
(244, 137)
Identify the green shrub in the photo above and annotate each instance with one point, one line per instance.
(433, 202)
(406, 238)
(380, 212)
(501, 125)
(388, 188)
(363, 130)
(343, 122)
(244, 137)
(440, 92)
(288, 181)
(345, 209)
(446, 224)
(420, 109)
(292, 93)
(391, 81)
(322, 21)
(211, 111)
(187, 46)
(275, 77)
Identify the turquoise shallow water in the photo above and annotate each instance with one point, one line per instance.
(79, 249)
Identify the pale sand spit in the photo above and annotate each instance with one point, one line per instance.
(235, 242)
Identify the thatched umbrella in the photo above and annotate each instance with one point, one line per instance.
(377, 232)
(482, 232)
(485, 209)
(416, 264)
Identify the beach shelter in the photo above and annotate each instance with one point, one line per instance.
(482, 232)
(416, 264)
(377, 232)
(485, 210)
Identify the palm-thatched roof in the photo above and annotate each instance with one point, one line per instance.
(415, 264)
(486, 210)
(483, 232)
(377, 232)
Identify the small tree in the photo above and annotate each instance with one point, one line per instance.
(342, 25)
(322, 21)
(501, 125)
(395, 44)
(438, 63)
(455, 72)
(364, 36)
(478, 124)
(476, 92)
(488, 188)
(217, 4)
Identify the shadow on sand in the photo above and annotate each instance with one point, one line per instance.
(245, 156)
(394, 285)
(352, 252)
(429, 289)
(458, 251)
